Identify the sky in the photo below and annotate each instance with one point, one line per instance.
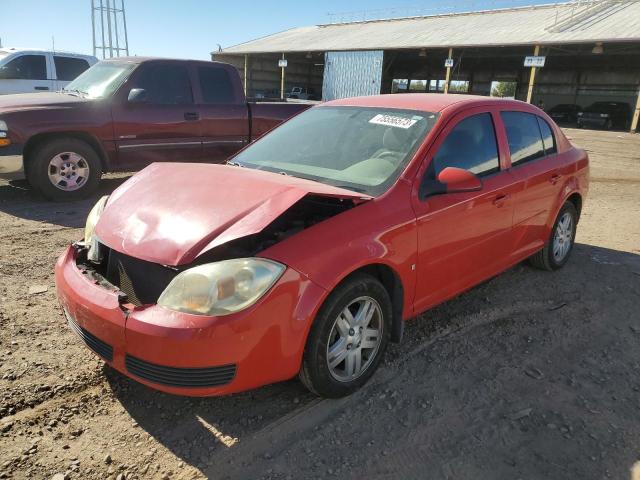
(192, 28)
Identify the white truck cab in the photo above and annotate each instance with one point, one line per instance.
(29, 70)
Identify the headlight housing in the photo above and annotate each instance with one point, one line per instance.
(221, 288)
(90, 239)
(604, 115)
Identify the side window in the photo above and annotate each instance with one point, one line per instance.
(215, 85)
(26, 67)
(523, 134)
(548, 140)
(166, 84)
(471, 145)
(68, 68)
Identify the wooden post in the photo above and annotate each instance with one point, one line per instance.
(532, 77)
(246, 61)
(636, 114)
(282, 81)
(447, 80)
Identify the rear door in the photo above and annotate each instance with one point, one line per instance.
(163, 125)
(224, 115)
(538, 170)
(26, 73)
(464, 238)
(67, 69)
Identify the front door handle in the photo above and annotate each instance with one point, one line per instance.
(500, 199)
(554, 178)
(41, 88)
(191, 116)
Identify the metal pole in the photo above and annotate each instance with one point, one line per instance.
(115, 26)
(636, 115)
(532, 76)
(93, 25)
(124, 23)
(102, 27)
(282, 81)
(448, 77)
(109, 28)
(246, 61)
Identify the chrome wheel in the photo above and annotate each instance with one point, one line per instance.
(68, 171)
(562, 237)
(355, 339)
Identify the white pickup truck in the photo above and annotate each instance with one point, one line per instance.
(29, 70)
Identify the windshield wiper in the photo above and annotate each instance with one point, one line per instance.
(234, 164)
(75, 92)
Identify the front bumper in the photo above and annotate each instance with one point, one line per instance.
(11, 162)
(592, 122)
(189, 354)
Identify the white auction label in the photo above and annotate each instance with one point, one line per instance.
(393, 121)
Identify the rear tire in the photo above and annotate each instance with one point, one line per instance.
(342, 352)
(64, 169)
(559, 245)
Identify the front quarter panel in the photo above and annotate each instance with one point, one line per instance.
(380, 231)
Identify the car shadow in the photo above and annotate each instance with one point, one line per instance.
(19, 200)
(204, 432)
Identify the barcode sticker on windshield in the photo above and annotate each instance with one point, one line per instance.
(393, 121)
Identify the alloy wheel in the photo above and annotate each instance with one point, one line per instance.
(563, 237)
(68, 171)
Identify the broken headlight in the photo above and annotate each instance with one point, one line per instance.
(221, 288)
(90, 239)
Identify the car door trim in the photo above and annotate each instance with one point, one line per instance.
(139, 146)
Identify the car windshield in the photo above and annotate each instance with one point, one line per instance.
(601, 107)
(359, 148)
(101, 80)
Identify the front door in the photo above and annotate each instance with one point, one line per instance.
(463, 238)
(162, 123)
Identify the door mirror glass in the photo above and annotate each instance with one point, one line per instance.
(137, 95)
(456, 180)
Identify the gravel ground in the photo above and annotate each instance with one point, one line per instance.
(530, 375)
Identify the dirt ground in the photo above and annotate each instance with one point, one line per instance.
(531, 375)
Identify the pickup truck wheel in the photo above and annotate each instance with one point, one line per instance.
(348, 338)
(65, 169)
(560, 243)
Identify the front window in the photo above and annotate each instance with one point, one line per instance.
(359, 148)
(101, 80)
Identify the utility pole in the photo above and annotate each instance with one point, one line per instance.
(110, 39)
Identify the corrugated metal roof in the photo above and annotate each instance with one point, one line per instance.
(609, 21)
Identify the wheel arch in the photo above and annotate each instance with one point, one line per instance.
(36, 141)
(392, 283)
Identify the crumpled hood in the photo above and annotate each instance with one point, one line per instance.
(33, 101)
(170, 213)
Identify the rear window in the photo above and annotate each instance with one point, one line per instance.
(68, 68)
(548, 140)
(523, 134)
(25, 67)
(215, 85)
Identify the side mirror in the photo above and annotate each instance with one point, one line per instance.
(458, 180)
(137, 95)
(450, 180)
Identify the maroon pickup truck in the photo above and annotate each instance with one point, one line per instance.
(123, 114)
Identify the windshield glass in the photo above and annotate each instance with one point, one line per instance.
(359, 148)
(101, 80)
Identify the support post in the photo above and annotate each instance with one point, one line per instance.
(109, 29)
(282, 81)
(532, 76)
(448, 77)
(246, 61)
(636, 114)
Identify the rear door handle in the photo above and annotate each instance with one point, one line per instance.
(41, 88)
(555, 177)
(191, 116)
(500, 199)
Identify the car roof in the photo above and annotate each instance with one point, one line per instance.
(135, 59)
(10, 50)
(426, 102)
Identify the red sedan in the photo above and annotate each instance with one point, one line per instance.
(305, 254)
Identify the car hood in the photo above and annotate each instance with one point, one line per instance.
(33, 101)
(170, 213)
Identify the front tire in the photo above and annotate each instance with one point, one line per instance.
(348, 338)
(558, 248)
(64, 169)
